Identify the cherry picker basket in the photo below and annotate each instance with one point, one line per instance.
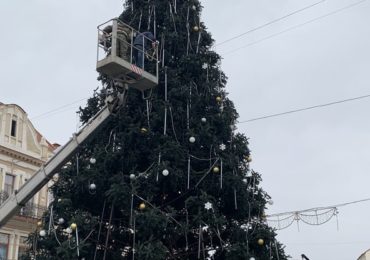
(118, 55)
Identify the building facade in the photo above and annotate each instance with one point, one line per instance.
(365, 256)
(22, 151)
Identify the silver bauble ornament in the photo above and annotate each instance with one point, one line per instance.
(92, 186)
(61, 221)
(165, 172)
(132, 176)
(42, 233)
(204, 120)
(192, 139)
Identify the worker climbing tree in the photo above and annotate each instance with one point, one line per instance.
(168, 177)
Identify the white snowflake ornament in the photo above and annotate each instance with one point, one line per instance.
(222, 147)
(208, 205)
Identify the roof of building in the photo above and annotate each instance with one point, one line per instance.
(39, 136)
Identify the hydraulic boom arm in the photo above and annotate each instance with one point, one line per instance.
(45, 173)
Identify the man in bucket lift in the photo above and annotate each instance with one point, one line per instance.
(124, 40)
(141, 45)
(105, 38)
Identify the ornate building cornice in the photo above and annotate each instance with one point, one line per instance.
(21, 156)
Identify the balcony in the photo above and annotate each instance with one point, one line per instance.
(30, 210)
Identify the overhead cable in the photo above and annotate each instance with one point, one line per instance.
(304, 109)
(59, 109)
(269, 23)
(295, 27)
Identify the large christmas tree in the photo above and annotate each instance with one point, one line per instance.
(168, 177)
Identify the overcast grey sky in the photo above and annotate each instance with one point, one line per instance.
(308, 159)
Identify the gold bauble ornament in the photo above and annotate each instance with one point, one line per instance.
(216, 169)
(196, 28)
(143, 130)
(39, 223)
(73, 226)
(248, 158)
(260, 242)
(218, 99)
(142, 206)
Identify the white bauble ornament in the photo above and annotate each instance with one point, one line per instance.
(92, 160)
(92, 186)
(69, 230)
(165, 172)
(245, 180)
(132, 176)
(56, 177)
(195, 28)
(204, 120)
(194, 7)
(252, 258)
(192, 139)
(42, 233)
(61, 221)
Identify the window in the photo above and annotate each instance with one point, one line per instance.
(23, 247)
(13, 130)
(4, 244)
(9, 184)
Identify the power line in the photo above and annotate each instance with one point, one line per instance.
(296, 26)
(269, 23)
(58, 109)
(304, 109)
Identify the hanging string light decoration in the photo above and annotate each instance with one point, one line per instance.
(314, 217)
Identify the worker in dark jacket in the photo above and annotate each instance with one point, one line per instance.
(141, 44)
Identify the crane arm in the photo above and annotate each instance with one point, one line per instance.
(18, 199)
